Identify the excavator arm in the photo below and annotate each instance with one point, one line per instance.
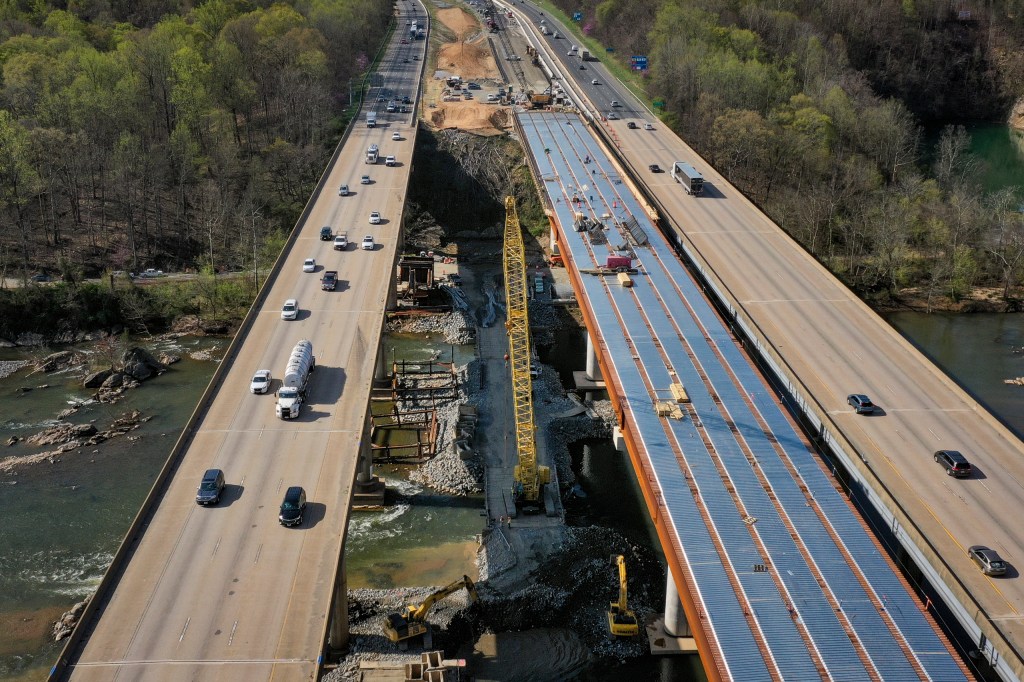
(419, 613)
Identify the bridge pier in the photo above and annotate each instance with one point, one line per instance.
(669, 634)
(593, 368)
(590, 380)
(380, 372)
(369, 489)
(337, 638)
(675, 618)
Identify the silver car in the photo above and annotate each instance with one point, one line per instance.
(988, 560)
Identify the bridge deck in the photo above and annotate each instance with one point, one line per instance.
(786, 580)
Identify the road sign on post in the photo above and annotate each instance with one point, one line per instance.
(638, 62)
(577, 16)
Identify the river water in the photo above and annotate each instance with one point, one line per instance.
(63, 522)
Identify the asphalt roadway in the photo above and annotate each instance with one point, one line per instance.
(836, 345)
(226, 592)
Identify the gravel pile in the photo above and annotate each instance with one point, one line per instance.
(455, 326)
(450, 620)
(9, 367)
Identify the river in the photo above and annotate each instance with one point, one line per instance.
(63, 522)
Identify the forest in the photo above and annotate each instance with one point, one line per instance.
(166, 134)
(189, 136)
(815, 110)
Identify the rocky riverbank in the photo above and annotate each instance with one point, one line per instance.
(530, 578)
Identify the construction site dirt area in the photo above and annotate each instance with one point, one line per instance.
(469, 57)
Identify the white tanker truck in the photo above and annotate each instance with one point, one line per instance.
(296, 376)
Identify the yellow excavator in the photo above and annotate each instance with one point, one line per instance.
(621, 621)
(401, 627)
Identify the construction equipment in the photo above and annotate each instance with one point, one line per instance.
(621, 621)
(528, 478)
(401, 627)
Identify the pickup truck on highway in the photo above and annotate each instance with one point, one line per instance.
(329, 281)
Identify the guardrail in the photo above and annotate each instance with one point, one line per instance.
(137, 528)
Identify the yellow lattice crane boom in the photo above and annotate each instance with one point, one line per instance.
(529, 478)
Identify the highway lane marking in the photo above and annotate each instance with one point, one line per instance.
(231, 637)
(187, 621)
(169, 661)
(215, 548)
(261, 430)
(937, 436)
(764, 301)
(259, 550)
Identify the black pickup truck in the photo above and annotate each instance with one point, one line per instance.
(329, 281)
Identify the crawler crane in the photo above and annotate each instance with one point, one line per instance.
(401, 627)
(528, 477)
(621, 621)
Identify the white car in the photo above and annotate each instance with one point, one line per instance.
(343, 191)
(341, 242)
(309, 265)
(594, 82)
(648, 126)
(390, 161)
(615, 103)
(612, 116)
(290, 310)
(260, 381)
(367, 244)
(396, 136)
(151, 272)
(375, 218)
(365, 180)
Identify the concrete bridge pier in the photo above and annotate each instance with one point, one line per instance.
(381, 376)
(589, 380)
(593, 368)
(337, 638)
(670, 633)
(369, 490)
(675, 619)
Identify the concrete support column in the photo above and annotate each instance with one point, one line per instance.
(364, 476)
(675, 619)
(380, 371)
(392, 298)
(338, 636)
(554, 240)
(593, 369)
(369, 489)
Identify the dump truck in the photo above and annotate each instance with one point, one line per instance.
(329, 281)
(585, 55)
(688, 176)
(292, 393)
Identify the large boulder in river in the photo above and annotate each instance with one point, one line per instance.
(61, 432)
(56, 361)
(139, 364)
(115, 380)
(96, 379)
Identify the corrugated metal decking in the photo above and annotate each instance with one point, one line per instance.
(789, 583)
